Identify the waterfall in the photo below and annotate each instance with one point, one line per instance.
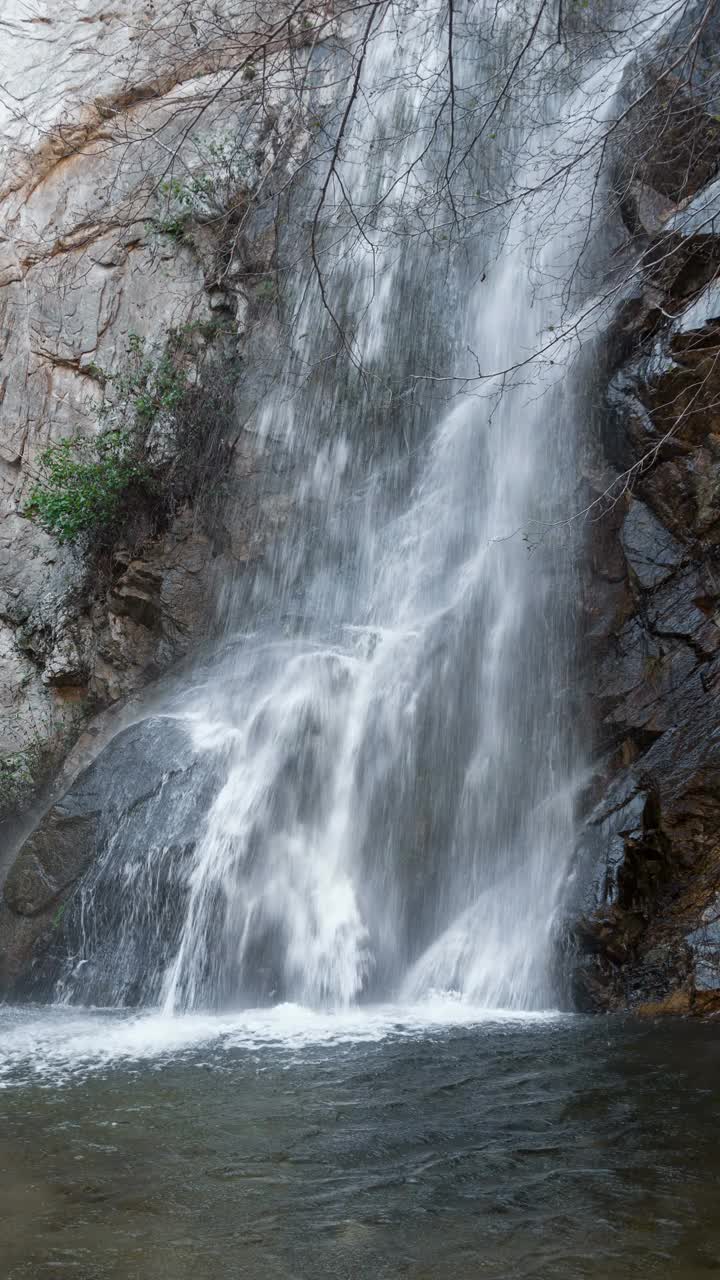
(391, 750)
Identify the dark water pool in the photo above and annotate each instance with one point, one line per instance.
(291, 1147)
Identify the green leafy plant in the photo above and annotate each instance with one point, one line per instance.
(146, 386)
(183, 199)
(187, 193)
(83, 483)
(227, 175)
(91, 486)
(174, 226)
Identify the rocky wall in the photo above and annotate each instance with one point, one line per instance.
(649, 935)
(131, 138)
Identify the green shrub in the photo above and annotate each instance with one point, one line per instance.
(83, 483)
(225, 175)
(161, 390)
(147, 387)
(95, 486)
(174, 226)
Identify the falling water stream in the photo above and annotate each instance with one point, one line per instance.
(396, 809)
(392, 775)
(339, 925)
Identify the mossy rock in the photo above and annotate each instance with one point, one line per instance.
(20, 774)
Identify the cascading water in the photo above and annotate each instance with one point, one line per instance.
(391, 757)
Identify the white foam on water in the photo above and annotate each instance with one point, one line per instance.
(47, 1047)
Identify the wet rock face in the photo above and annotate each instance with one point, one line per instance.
(652, 554)
(148, 779)
(647, 937)
(668, 148)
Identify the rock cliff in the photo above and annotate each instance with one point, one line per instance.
(137, 196)
(649, 938)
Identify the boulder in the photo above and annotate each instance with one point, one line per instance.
(122, 835)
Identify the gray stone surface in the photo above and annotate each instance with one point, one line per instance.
(149, 767)
(648, 939)
(650, 549)
(97, 113)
